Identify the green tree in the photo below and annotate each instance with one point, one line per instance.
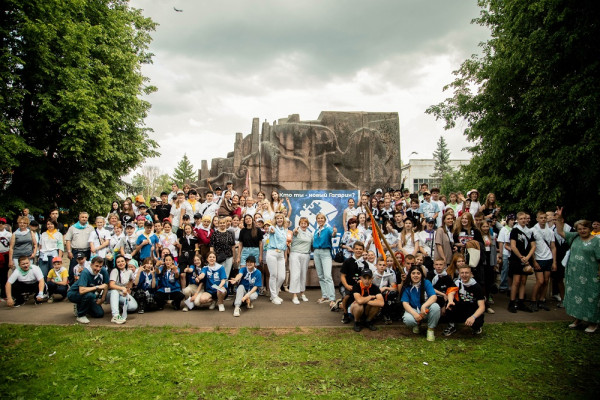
(531, 105)
(184, 172)
(441, 161)
(150, 181)
(71, 119)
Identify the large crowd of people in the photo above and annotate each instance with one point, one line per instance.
(443, 260)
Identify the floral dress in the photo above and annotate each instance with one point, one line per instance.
(582, 286)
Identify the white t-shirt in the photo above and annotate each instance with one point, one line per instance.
(209, 209)
(192, 209)
(34, 274)
(426, 239)
(96, 236)
(168, 241)
(442, 207)
(504, 237)
(409, 246)
(176, 214)
(5, 241)
(126, 276)
(543, 238)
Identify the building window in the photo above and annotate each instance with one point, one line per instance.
(417, 182)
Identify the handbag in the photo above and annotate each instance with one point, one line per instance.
(527, 269)
(339, 256)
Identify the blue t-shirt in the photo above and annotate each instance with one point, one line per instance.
(250, 279)
(213, 277)
(412, 295)
(322, 238)
(278, 239)
(86, 279)
(428, 209)
(145, 281)
(167, 283)
(146, 250)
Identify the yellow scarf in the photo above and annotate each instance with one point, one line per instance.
(354, 233)
(51, 233)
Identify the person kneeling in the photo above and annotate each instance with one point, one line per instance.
(89, 291)
(466, 303)
(367, 301)
(57, 280)
(120, 284)
(250, 281)
(25, 279)
(419, 302)
(215, 284)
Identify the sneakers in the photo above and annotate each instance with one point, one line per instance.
(50, 299)
(560, 305)
(83, 320)
(249, 305)
(295, 300)
(534, 307)
(212, 305)
(416, 329)
(477, 331)
(117, 319)
(304, 298)
(357, 327)
(236, 312)
(221, 307)
(430, 335)
(557, 298)
(140, 310)
(512, 307)
(346, 318)
(490, 310)
(387, 320)
(449, 330)
(185, 309)
(370, 326)
(275, 301)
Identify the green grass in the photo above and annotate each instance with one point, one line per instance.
(542, 360)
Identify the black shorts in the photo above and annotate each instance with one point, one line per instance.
(214, 295)
(559, 274)
(516, 268)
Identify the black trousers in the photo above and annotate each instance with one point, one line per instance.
(461, 312)
(162, 297)
(20, 289)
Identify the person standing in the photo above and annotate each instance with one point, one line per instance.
(544, 262)
(276, 249)
(582, 291)
(77, 241)
(522, 245)
(22, 243)
(323, 262)
(5, 238)
(299, 259)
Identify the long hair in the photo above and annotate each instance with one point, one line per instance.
(458, 226)
(452, 268)
(408, 282)
(403, 240)
(488, 203)
(253, 229)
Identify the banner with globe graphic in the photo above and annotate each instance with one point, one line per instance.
(309, 203)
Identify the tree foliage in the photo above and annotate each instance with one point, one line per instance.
(531, 103)
(441, 160)
(150, 181)
(71, 116)
(184, 172)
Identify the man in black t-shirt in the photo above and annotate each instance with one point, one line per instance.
(349, 276)
(164, 209)
(367, 301)
(466, 303)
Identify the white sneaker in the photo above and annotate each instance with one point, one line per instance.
(416, 329)
(304, 298)
(430, 335)
(279, 298)
(185, 309)
(50, 299)
(83, 320)
(276, 301)
(221, 307)
(295, 300)
(117, 319)
(212, 305)
(236, 312)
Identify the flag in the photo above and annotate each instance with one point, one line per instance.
(376, 239)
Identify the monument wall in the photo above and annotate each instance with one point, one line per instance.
(338, 150)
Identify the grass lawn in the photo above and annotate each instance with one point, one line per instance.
(541, 360)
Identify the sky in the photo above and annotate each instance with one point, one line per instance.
(218, 64)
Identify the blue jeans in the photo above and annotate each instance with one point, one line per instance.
(432, 317)
(504, 273)
(116, 299)
(323, 261)
(86, 304)
(249, 251)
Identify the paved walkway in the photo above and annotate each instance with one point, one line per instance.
(263, 315)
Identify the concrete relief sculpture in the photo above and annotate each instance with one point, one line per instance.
(339, 150)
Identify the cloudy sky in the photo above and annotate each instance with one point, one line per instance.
(218, 64)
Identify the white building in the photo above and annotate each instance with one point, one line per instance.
(421, 170)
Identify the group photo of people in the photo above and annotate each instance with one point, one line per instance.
(423, 259)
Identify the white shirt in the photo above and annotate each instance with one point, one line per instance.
(442, 207)
(97, 236)
(209, 209)
(5, 241)
(34, 274)
(543, 241)
(504, 237)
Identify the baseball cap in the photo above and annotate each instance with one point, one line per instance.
(153, 199)
(130, 225)
(143, 206)
(378, 190)
(3, 220)
(429, 220)
(367, 272)
(80, 255)
(139, 198)
(426, 192)
(180, 192)
(56, 259)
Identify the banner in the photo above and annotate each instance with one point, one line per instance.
(309, 203)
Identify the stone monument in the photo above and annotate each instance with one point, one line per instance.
(338, 150)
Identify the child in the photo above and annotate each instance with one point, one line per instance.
(385, 279)
(145, 285)
(168, 284)
(419, 302)
(466, 303)
(57, 280)
(441, 282)
(250, 281)
(82, 263)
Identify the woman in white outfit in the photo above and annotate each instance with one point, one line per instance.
(299, 259)
(276, 256)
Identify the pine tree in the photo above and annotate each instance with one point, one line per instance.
(184, 172)
(441, 159)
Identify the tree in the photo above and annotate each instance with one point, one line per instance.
(71, 119)
(150, 182)
(184, 172)
(441, 160)
(531, 105)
